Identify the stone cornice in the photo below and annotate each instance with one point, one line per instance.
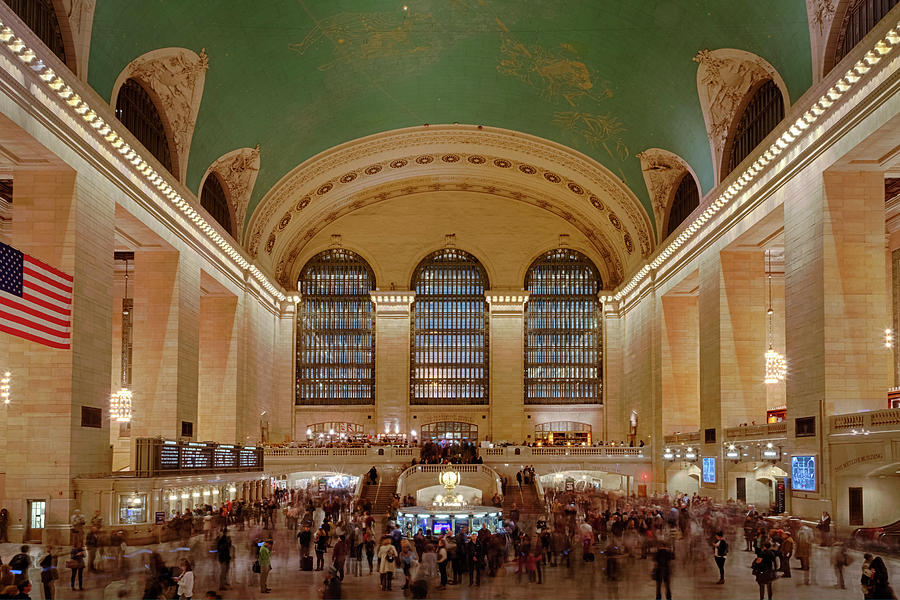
(506, 303)
(393, 303)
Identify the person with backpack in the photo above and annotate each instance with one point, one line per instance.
(720, 551)
(19, 564)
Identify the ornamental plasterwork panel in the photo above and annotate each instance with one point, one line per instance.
(662, 172)
(175, 76)
(238, 170)
(556, 175)
(820, 14)
(80, 16)
(725, 77)
(285, 256)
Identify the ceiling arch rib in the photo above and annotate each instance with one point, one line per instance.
(452, 157)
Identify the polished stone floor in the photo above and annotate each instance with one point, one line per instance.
(694, 576)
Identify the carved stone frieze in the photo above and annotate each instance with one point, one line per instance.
(80, 15)
(725, 78)
(238, 170)
(175, 76)
(662, 172)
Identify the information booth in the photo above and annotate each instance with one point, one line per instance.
(444, 519)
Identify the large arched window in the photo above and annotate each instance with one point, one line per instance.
(213, 199)
(860, 18)
(40, 16)
(449, 357)
(686, 199)
(563, 341)
(764, 111)
(137, 112)
(335, 335)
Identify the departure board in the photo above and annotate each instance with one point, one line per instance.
(155, 456)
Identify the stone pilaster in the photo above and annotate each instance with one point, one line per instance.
(507, 364)
(392, 347)
(67, 222)
(166, 342)
(217, 390)
(614, 427)
(680, 364)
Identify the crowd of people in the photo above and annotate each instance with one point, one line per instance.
(598, 532)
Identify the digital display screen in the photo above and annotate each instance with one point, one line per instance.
(441, 526)
(803, 473)
(709, 469)
(225, 458)
(168, 457)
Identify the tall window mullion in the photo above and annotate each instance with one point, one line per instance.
(449, 331)
(562, 332)
(335, 331)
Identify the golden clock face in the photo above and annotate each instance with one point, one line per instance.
(449, 478)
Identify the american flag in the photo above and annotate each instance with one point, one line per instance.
(35, 299)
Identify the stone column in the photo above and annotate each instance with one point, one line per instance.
(392, 346)
(67, 222)
(614, 424)
(166, 342)
(284, 373)
(507, 364)
(836, 309)
(217, 413)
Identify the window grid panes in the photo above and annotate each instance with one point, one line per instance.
(763, 113)
(560, 432)
(214, 201)
(40, 16)
(137, 112)
(860, 19)
(686, 199)
(562, 333)
(450, 430)
(449, 354)
(335, 331)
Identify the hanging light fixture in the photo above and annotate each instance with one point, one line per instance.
(5, 385)
(776, 365)
(120, 403)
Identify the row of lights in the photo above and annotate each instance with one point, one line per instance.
(731, 453)
(787, 139)
(81, 108)
(131, 155)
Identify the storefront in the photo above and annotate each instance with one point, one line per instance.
(445, 519)
(560, 433)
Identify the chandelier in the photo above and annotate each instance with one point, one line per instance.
(120, 406)
(120, 403)
(776, 364)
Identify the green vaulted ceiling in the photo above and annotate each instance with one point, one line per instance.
(607, 77)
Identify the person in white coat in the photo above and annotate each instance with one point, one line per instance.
(185, 581)
(387, 562)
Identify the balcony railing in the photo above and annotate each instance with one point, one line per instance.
(600, 452)
(683, 438)
(373, 452)
(766, 430)
(865, 422)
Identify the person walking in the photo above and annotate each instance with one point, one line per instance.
(224, 555)
(839, 560)
(304, 539)
(805, 538)
(331, 585)
(387, 562)
(19, 565)
(49, 573)
(76, 564)
(77, 529)
(720, 551)
(265, 566)
(662, 570)
(763, 568)
(321, 546)
(865, 579)
(369, 543)
(339, 555)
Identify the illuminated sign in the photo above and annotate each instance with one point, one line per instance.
(709, 469)
(803, 473)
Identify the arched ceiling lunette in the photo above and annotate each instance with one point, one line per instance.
(446, 158)
(607, 78)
